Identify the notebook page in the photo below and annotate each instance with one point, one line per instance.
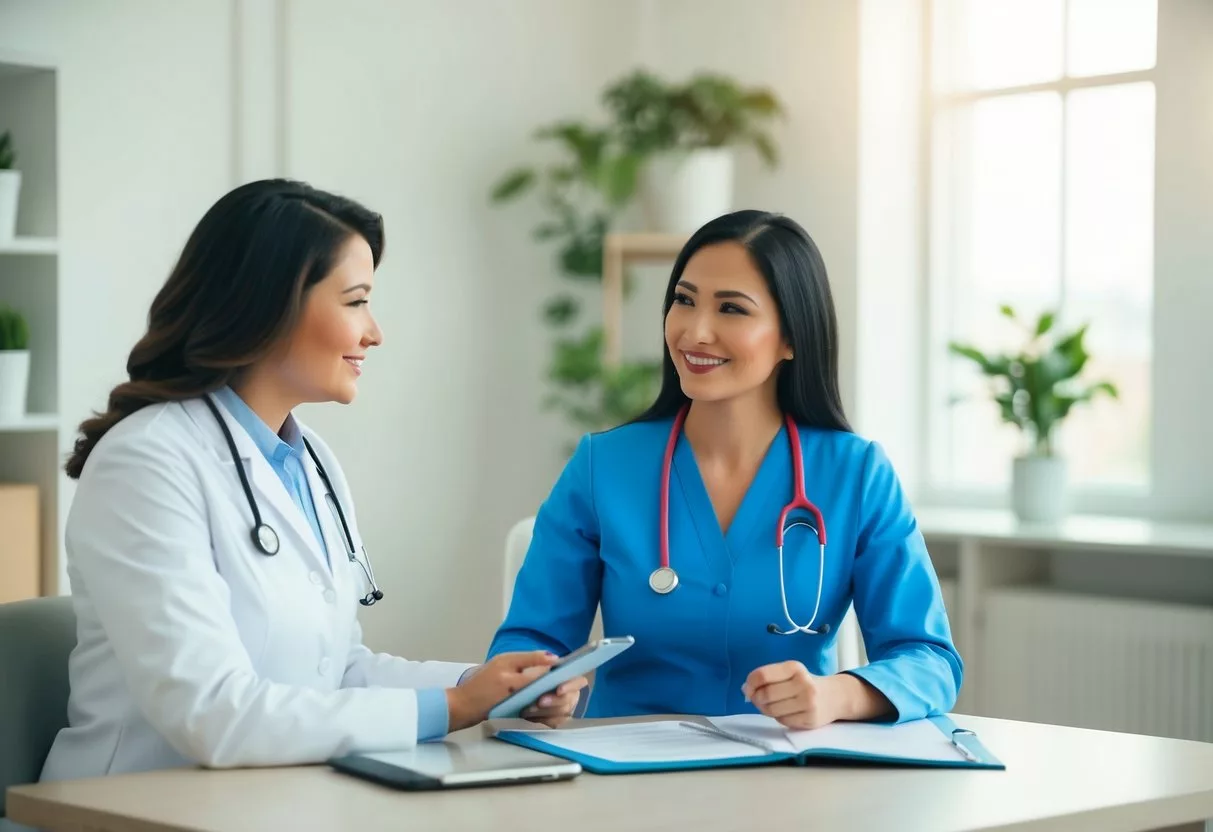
(915, 740)
(646, 742)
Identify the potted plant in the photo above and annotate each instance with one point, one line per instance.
(583, 191)
(14, 364)
(10, 187)
(1035, 389)
(689, 133)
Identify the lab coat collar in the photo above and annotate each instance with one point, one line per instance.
(276, 506)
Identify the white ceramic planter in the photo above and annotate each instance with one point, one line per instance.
(10, 189)
(1039, 489)
(682, 191)
(14, 383)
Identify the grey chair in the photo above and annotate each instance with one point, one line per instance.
(36, 638)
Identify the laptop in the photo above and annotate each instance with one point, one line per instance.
(452, 765)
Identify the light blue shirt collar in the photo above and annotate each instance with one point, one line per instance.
(275, 447)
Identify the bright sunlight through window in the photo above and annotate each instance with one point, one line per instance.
(1042, 197)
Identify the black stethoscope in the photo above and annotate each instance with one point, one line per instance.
(263, 535)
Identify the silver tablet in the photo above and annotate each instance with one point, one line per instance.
(445, 765)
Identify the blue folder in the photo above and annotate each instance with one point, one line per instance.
(971, 754)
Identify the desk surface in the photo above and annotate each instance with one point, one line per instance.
(1056, 779)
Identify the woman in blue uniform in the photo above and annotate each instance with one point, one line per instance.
(673, 523)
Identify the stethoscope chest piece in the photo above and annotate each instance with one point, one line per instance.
(663, 580)
(265, 539)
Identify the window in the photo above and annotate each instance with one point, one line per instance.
(1042, 197)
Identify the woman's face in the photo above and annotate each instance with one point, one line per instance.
(723, 329)
(323, 356)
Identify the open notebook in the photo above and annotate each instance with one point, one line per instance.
(753, 739)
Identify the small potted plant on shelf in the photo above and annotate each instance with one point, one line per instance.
(10, 187)
(14, 364)
(1035, 389)
(689, 133)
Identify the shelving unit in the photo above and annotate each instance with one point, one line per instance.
(31, 448)
(618, 251)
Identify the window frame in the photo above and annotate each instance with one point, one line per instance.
(1084, 498)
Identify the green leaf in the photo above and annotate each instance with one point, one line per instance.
(991, 366)
(765, 146)
(513, 184)
(1007, 311)
(561, 309)
(547, 231)
(14, 331)
(617, 178)
(1045, 323)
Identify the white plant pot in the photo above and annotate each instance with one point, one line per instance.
(682, 191)
(1039, 489)
(14, 382)
(10, 189)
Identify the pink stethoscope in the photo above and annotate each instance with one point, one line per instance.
(664, 579)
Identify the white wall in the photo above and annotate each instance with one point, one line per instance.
(445, 445)
(415, 108)
(807, 51)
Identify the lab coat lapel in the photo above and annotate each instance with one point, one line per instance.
(326, 513)
(705, 529)
(276, 506)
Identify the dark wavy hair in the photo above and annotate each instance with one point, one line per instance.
(237, 288)
(807, 386)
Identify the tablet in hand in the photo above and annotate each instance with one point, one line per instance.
(578, 663)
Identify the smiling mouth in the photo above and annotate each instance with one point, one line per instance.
(698, 363)
(356, 363)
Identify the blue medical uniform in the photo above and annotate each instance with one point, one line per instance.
(596, 540)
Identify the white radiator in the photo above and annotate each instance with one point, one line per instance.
(1136, 666)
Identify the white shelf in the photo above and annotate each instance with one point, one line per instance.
(32, 423)
(1123, 534)
(30, 245)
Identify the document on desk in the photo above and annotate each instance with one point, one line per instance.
(648, 742)
(753, 739)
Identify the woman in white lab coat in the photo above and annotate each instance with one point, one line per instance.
(213, 548)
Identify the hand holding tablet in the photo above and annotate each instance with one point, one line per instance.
(575, 664)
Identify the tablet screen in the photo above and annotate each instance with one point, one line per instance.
(441, 760)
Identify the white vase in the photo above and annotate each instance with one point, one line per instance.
(10, 189)
(1039, 489)
(682, 191)
(14, 382)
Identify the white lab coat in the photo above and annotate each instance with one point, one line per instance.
(194, 647)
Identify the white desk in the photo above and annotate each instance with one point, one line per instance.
(1057, 780)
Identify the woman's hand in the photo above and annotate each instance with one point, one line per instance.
(556, 707)
(491, 682)
(796, 698)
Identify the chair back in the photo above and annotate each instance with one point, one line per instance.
(36, 638)
(517, 541)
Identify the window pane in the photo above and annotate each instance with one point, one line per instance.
(986, 44)
(998, 241)
(1110, 273)
(1106, 36)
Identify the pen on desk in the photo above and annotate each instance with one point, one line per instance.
(725, 735)
(964, 751)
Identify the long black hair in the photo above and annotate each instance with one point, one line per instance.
(237, 288)
(787, 257)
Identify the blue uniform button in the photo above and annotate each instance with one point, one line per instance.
(720, 589)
